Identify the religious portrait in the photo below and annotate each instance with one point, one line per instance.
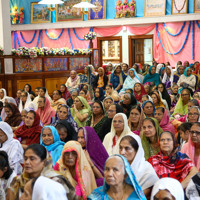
(78, 63)
(26, 65)
(66, 11)
(40, 13)
(99, 12)
(96, 58)
(55, 64)
(197, 6)
(179, 7)
(154, 8)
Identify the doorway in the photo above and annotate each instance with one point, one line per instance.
(140, 49)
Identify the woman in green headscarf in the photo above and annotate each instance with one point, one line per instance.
(150, 135)
(80, 111)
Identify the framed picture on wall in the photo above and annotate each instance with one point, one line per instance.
(179, 7)
(78, 63)
(154, 8)
(66, 12)
(197, 6)
(95, 58)
(40, 13)
(99, 12)
(55, 64)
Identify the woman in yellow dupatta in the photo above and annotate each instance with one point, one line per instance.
(74, 166)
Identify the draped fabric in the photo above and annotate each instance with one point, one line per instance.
(141, 30)
(152, 77)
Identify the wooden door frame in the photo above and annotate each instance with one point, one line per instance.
(134, 37)
(99, 46)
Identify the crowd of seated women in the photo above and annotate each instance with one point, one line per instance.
(117, 133)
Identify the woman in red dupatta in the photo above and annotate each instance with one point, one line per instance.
(139, 91)
(30, 132)
(169, 162)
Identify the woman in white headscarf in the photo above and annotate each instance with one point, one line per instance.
(171, 186)
(3, 94)
(26, 102)
(45, 189)
(119, 129)
(12, 147)
(168, 78)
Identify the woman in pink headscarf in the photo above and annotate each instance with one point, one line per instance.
(73, 81)
(162, 116)
(45, 111)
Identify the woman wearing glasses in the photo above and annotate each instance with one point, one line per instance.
(192, 147)
(169, 162)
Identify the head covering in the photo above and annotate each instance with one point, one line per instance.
(144, 103)
(198, 110)
(5, 95)
(165, 95)
(84, 173)
(146, 142)
(159, 103)
(56, 148)
(171, 78)
(32, 134)
(185, 72)
(142, 92)
(101, 95)
(45, 188)
(165, 123)
(193, 188)
(152, 77)
(73, 81)
(130, 179)
(92, 142)
(66, 94)
(16, 118)
(121, 81)
(171, 185)
(197, 69)
(142, 169)
(85, 103)
(108, 97)
(158, 67)
(28, 104)
(10, 100)
(71, 133)
(30, 88)
(47, 113)
(106, 72)
(12, 147)
(111, 143)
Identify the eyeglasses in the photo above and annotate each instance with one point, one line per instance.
(193, 114)
(195, 132)
(183, 95)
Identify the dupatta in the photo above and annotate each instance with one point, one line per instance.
(139, 96)
(84, 173)
(152, 77)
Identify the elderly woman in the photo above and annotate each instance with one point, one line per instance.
(51, 141)
(119, 129)
(25, 102)
(74, 166)
(181, 107)
(30, 132)
(73, 81)
(107, 102)
(167, 188)
(169, 162)
(168, 78)
(101, 79)
(193, 114)
(131, 148)
(131, 80)
(3, 94)
(162, 116)
(152, 76)
(106, 126)
(80, 111)
(45, 111)
(12, 147)
(57, 99)
(37, 163)
(89, 141)
(187, 79)
(98, 116)
(120, 181)
(151, 132)
(148, 108)
(117, 78)
(13, 117)
(136, 119)
(192, 147)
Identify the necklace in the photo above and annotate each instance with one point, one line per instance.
(175, 4)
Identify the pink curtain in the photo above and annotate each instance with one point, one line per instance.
(143, 30)
(173, 44)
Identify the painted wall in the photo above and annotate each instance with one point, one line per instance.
(110, 12)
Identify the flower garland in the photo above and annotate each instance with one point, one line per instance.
(45, 51)
(1, 51)
(90, 36)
